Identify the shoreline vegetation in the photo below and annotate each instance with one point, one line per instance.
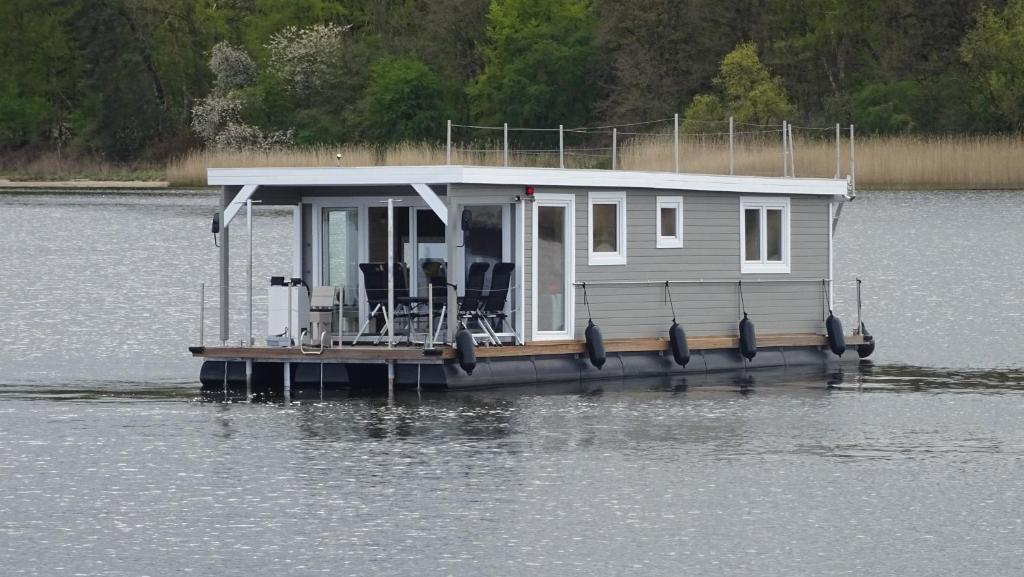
(900, 162)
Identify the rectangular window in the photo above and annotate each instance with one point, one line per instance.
(764, 235)
(607, 228)
(670, 222)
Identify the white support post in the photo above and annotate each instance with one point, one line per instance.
(853, 162)
(675, 140)
(225, 242)
(732, 147)
(561, 146)
(505, 161)
(615, 146)
(785, 152)
(391, 273)
(287, 383)
(248, 275)
(448, 147)
(838, 139)
(202, 313)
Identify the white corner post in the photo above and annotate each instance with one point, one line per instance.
(732, 147)
(448, 146)
(248, 271)
(561, 146)
(615, 148)
(391, 273)
(853, 162)
(675, 140)
(451, 241)
(785, 151)
(505, 148)
(838, 138)
(227, 196)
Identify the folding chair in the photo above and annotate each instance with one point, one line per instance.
(492, 309)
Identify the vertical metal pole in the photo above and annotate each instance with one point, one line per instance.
(448, 147)
(561, 146)
(615, 146)
(838, 169)
(248, 380)
(785, 153)
(452, 242)
(225, 243)
(859, 321)
(202, 313)
(287, 383)
(391, 272)
(792, 153)
(506, 145)
(675, 140)
(428, 341)
(853, 161)
(732, 147)
(391, 381)
(248, 274)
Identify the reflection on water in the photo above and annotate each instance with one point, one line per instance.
(111, 464)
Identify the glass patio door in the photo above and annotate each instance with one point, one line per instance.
(341, 262)
(553, 275)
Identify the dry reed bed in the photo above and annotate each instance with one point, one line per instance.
(953, 162)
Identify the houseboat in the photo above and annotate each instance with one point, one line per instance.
(449, 277)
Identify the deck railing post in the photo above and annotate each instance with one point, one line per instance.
(391, 273)
(732, 147)
(448, 146)
(561, 146)
(428, 341)
(505, 160)
(202, 313)
(225, 257)
(675, 140)
(615, 138)
(838, 169)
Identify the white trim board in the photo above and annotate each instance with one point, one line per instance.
(408, 175)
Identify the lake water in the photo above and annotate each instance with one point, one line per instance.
(912, 464)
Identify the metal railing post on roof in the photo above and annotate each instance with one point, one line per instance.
(838, 137)
(732, 147)
(505, 163)
(675, 139)
(615, 138)
(853, 163)
(785, 153)
(561, 146)
(792, 153)
(448, 147)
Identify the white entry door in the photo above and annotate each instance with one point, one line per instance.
(554, 266)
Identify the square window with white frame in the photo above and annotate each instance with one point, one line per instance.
(764, 235)
(669, 222)
(606, 228)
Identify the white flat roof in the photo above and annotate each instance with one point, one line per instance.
(444, 174)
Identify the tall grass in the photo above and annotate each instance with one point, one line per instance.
(965, 162)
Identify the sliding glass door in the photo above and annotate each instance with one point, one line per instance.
(341, 261)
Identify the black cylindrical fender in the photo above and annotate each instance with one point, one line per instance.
(465, 350)
(595, 345)
(677, 342)
(864, 351)
(834, 332)
(748, 338)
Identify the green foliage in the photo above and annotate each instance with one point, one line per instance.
(746, 91)
(889, 108)
(405, 101)
(539, 66)
(994, 53)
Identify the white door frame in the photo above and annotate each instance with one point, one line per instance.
(567, 201)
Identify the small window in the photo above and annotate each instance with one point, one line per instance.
(607, 228)
(670, 222)
(764, 235)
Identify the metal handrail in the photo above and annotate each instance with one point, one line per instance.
(698, 281)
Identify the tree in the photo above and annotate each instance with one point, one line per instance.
(746, 90)
(994, 53)
(405, 101)
(539, 64)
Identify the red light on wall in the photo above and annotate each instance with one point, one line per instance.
(529, 191)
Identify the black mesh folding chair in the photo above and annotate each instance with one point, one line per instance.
(375, 283)
(437, 281)
(469, 305)
(492, 315)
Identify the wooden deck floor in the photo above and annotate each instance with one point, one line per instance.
(378, 354)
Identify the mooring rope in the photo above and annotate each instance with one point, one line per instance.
(743, 306)
(586, 301)
(668, 293)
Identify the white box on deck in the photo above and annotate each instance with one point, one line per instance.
(279, 312)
